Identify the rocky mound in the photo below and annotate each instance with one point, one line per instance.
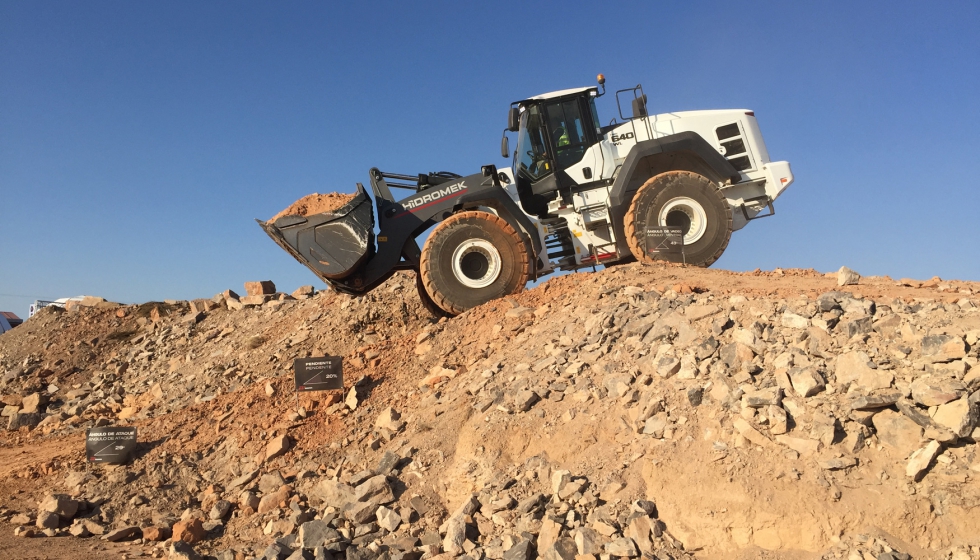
(635, 412)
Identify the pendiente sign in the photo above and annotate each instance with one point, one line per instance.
(318, 374)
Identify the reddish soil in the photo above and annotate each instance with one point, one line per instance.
(64, 547)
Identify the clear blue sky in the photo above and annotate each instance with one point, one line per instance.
(138, 140)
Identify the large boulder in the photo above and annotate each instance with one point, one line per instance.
(60, 504)
(897, 431)
(855, 368)
(960, 416)
(19, 420)
(847, 277)
(930, 391)
(317, 533)
(261, 288)
(35, 402)
(274, 500)
(47, 520)
(189, 531)
(943, 348)
(333, 493)
(375, 490)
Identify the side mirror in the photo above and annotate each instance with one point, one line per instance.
(640, 106)
(513, 120)
(504, 147)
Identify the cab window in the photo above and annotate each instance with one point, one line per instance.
(567, 131)
(532, 153)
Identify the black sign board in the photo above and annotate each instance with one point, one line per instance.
(319, 374)
(112, 445)
(664, 240)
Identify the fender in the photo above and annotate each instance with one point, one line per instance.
(509, 211)
(625, 186)
(634, 173)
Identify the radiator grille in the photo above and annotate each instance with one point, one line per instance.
(731, 138)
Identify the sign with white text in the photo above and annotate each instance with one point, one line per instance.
(664, 240)
(112, 445)
(318, 374)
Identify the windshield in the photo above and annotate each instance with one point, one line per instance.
(532, 155)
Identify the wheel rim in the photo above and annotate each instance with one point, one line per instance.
(476, 263)
(687, 214)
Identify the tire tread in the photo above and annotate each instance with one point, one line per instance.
(426, 271)
(656, 182)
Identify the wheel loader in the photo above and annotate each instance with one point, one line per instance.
(578, 194)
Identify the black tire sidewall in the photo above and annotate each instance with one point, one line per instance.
(431, 306)
(444, 243)
(705, 250)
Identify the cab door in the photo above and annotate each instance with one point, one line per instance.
(571, 134)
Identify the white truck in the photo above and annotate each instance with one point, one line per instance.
(40, 304)
(578, 194)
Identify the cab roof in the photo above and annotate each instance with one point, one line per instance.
(559, 93)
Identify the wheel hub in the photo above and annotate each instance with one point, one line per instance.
(687, 214)
(476, 263)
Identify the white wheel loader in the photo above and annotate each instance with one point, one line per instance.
(579, 194)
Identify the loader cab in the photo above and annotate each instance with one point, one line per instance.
(555, 131)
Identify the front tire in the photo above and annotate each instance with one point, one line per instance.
(686, 200)
(429, 305)
(472, 258)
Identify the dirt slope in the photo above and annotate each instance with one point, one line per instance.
(670, 412)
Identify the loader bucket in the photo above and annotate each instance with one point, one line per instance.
(332, 244)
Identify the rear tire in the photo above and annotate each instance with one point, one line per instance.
(472, 258)
(686, 200)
